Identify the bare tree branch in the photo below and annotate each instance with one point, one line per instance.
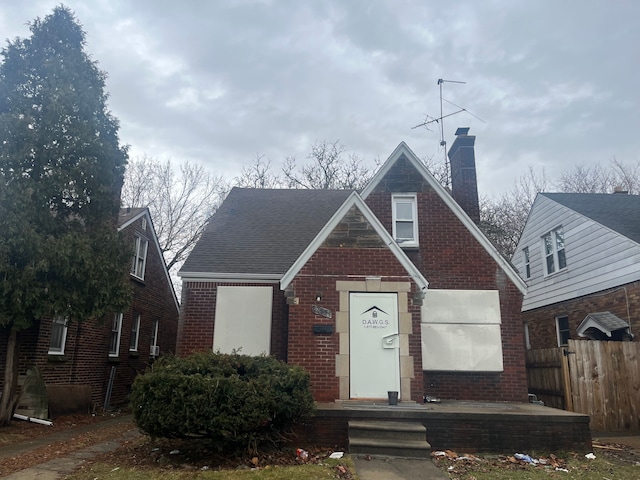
(180, 203)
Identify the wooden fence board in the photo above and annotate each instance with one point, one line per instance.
(605, 383)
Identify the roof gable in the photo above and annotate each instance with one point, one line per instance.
(618, 212)
(129, 216)
(403, 150)
(356, 201)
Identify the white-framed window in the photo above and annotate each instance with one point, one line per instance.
(405, 219)
(527, 262)
(527, 338)
(154, 351)
(563, 331)
(58, 335)
(139, 257)
(135, 333)
(553, 251)
(116, 327)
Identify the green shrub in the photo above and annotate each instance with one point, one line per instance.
(234, 400)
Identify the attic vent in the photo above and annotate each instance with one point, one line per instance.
(144, 223)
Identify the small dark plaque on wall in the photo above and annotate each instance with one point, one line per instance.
(323, 329)
(323, 312)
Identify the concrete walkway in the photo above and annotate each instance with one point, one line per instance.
(60, 468)
(396, 468)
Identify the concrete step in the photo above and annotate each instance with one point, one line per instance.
(382, 437)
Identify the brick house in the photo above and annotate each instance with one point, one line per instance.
(75, 361)
(578, 254)
(390, 289)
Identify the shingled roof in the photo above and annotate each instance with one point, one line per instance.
(261, 231)
(619, 212)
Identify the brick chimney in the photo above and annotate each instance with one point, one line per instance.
(464, 183)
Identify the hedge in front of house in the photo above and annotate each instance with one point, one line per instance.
(234, 400)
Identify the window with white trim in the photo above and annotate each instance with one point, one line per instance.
(116, 327)
(553, 251)
(154, 350)
(527, 262)
(405, 219)
(139, 257)
(135, 333)
(563, 331)
(58, 335)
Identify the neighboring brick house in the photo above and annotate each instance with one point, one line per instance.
(390, 289)
(579, 256)
(76, 361)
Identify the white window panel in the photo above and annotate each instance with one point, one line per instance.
(58, 335)
(139, 262)
(135, 333)
(243, 320)
(461, 331)
(116, 328)
(405, 219)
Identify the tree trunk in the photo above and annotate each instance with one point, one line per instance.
(9, 397)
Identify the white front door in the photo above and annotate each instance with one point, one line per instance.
(374, 347)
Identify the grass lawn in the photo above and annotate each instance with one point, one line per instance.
(329, 469)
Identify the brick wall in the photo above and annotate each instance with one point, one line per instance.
(317, 352)
(86, 358)
(623, 301)
(450, 258)
(197, 317)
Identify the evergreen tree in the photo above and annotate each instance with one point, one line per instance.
(61, 172)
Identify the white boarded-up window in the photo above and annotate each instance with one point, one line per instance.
(461, 331)
(243, 320)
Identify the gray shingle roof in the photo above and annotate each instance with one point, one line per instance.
(606, 322)
(262, 231)
(619, 212)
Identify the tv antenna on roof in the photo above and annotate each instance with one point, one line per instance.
(440, 121)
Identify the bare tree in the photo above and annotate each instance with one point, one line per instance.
(258, 175)
(503, 219)
(583, 179)
(180, 203)
(327, 169)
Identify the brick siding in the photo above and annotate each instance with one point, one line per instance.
(622, 301)
(86, 356)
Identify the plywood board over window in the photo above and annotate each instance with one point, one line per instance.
(243, 320)
(461, 331)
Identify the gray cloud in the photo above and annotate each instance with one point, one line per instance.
(217, 82)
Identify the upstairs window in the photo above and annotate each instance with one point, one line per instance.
(155, 349)
(135, 333)
(116, 327)
(527, 262)
(58, 335)
(553, 251)
(562, 329)
(405, 220)
(139, 257)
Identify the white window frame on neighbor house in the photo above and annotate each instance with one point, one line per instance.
(403, 218)
(116, 329)
(153, 351)
(135, 333)
(553, 251)
(561, 331)
(527, 262)
(139, 262)
(58, 338)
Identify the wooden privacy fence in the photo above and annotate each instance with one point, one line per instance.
(601, 379)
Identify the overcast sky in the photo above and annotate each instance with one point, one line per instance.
(556, 83)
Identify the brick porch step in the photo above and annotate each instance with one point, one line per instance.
(391, 438)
